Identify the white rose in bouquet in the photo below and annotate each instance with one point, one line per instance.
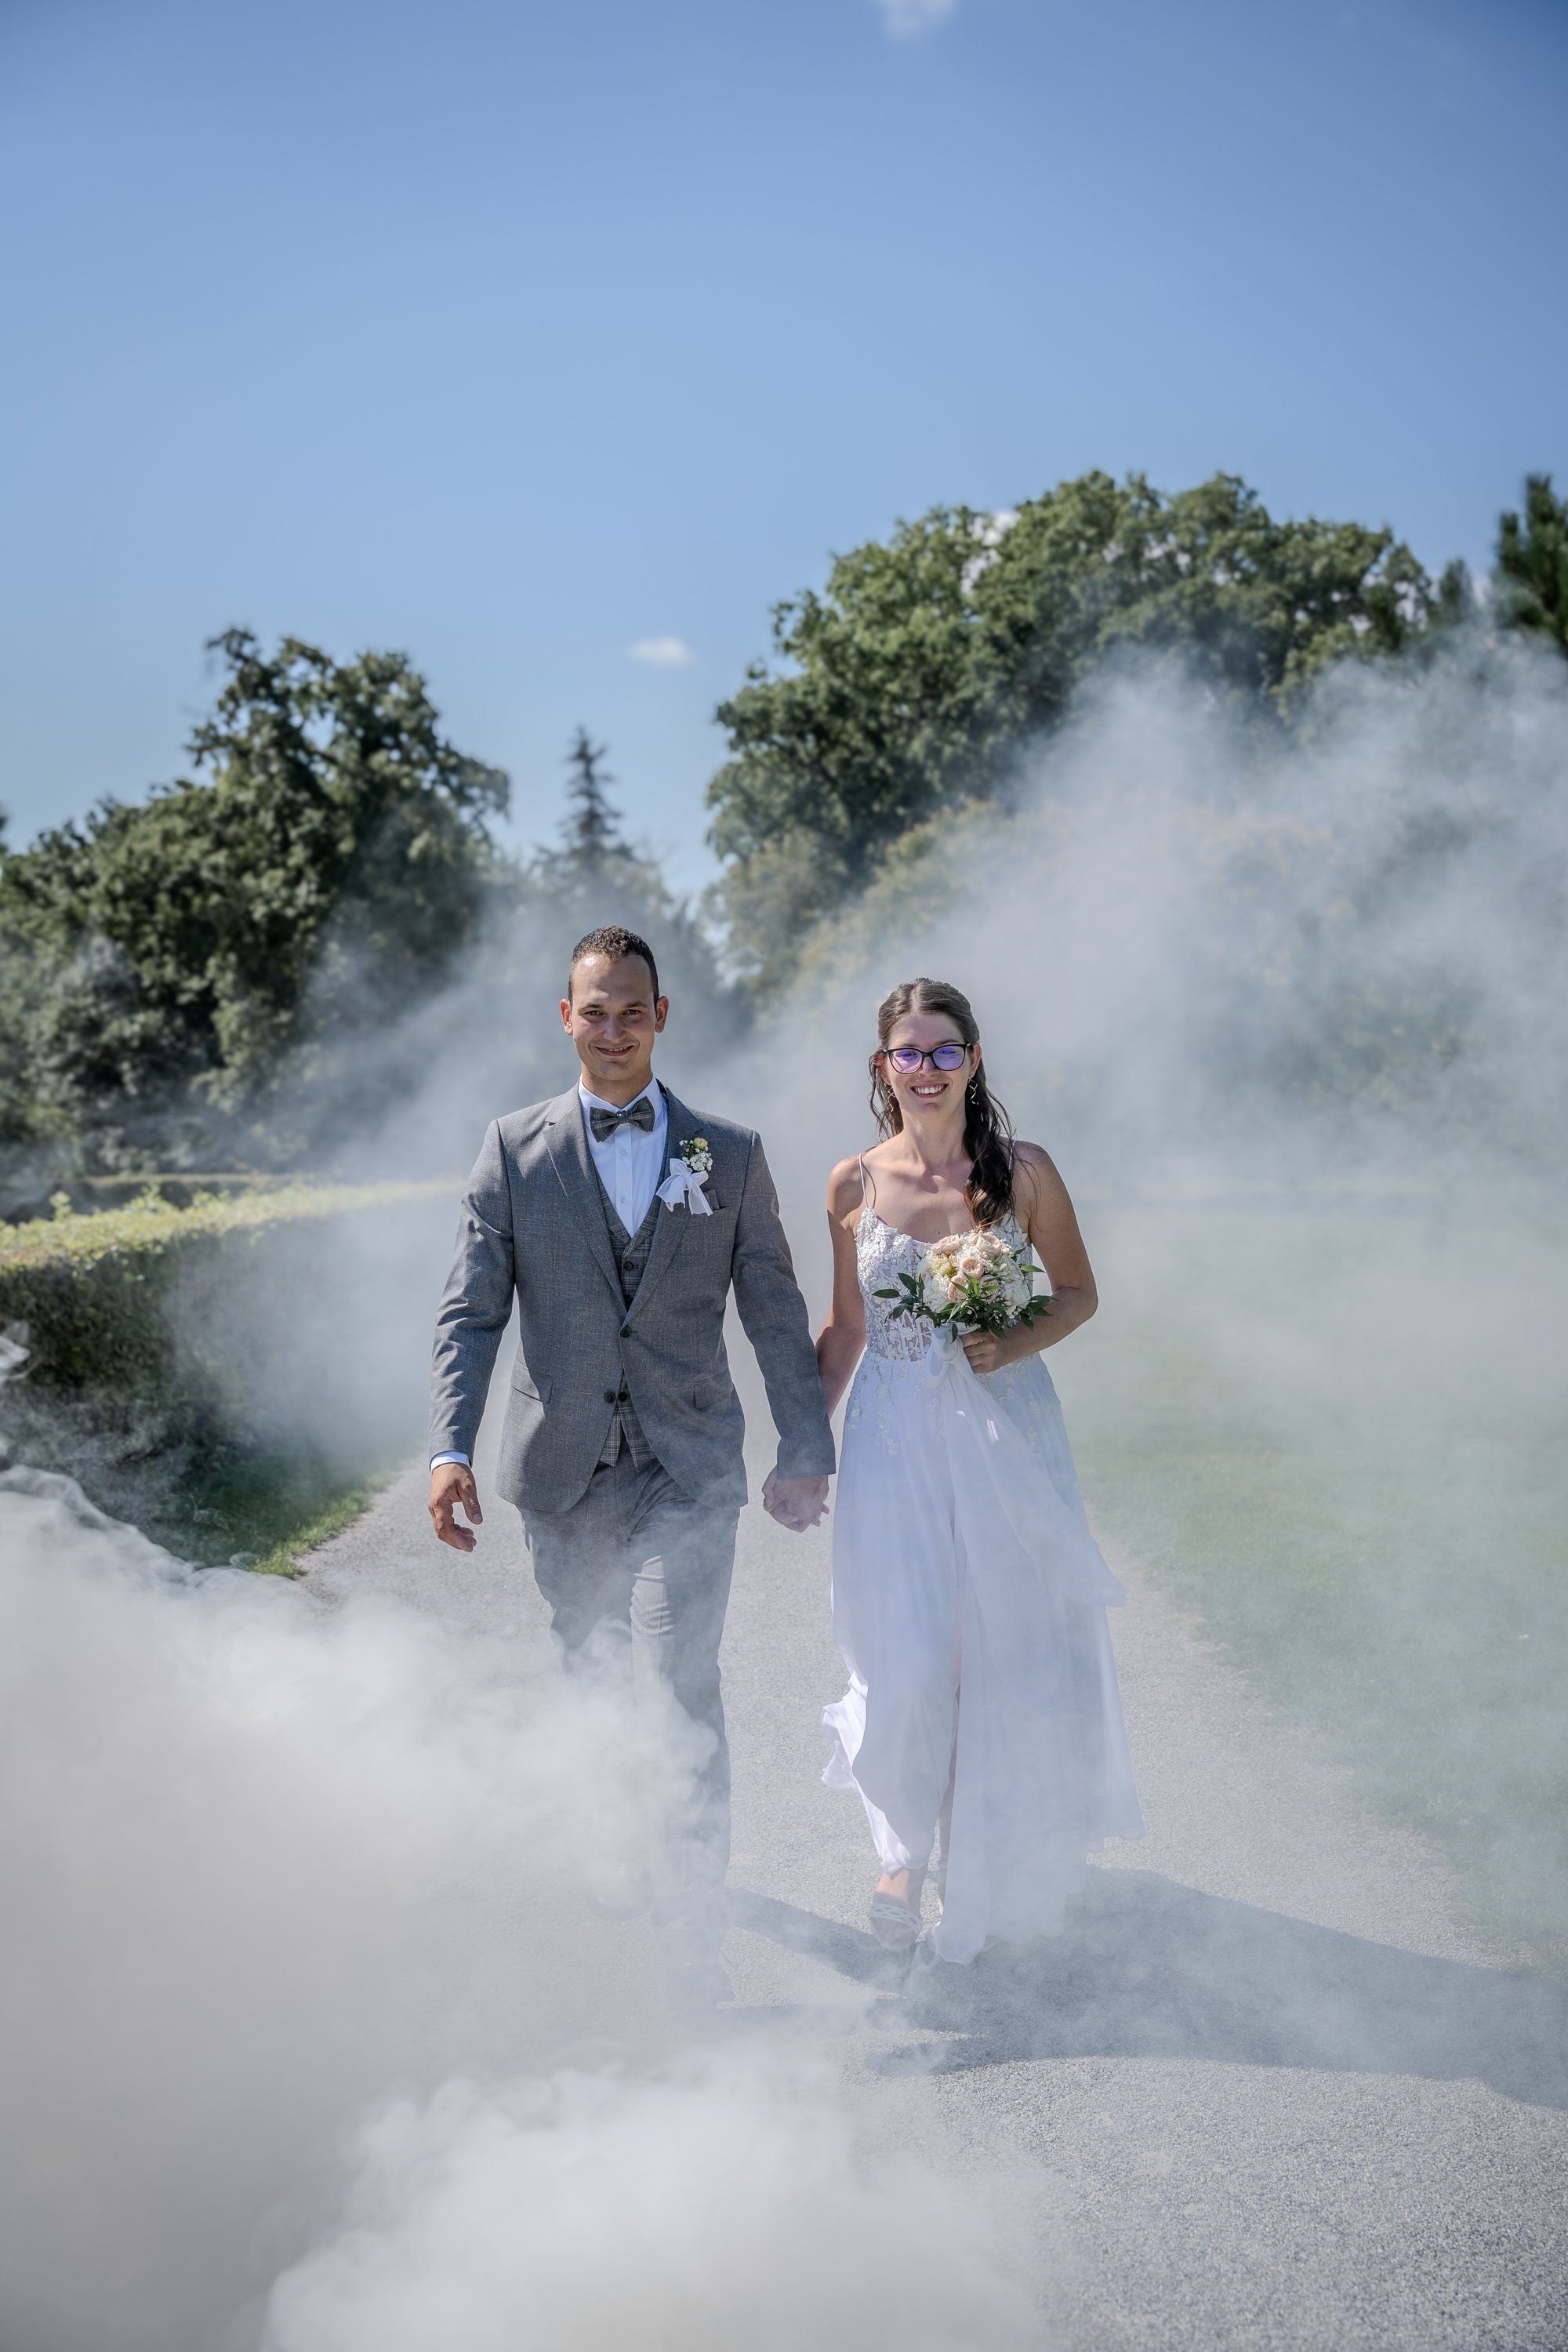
(979, 1281)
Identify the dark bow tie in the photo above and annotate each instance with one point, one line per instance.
(637, 1114)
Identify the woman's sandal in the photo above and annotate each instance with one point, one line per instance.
(893, 1924)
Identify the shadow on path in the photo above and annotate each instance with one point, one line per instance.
(1148, 1968)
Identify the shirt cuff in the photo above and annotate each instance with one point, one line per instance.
(436, 1460)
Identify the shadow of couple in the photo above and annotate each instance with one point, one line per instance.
(1150, 1968)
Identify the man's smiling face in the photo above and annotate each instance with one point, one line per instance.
(612, 1018)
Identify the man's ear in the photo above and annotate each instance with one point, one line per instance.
(566, 1014)
(660, 1013)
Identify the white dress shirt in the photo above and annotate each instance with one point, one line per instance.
(630, 1164)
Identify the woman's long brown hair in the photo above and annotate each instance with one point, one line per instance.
(987, 1129)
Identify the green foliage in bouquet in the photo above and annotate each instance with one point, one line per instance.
(976, 1281)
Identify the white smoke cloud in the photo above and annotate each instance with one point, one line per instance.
(722, 2204)
(262, 1859)
(268, 1864)
(1194, 940)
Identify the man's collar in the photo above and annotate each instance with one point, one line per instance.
(597, 1102)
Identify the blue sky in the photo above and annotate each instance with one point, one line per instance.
(520, 337)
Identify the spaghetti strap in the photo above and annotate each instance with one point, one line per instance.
(865, 1182)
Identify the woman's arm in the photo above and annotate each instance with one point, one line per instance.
(843, 1336)
(1046, 1212)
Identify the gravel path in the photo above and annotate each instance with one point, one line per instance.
(1270, 2091)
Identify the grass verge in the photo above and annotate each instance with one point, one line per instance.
(1357, 1482)
(287, 1558)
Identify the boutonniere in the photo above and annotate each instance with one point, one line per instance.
(690, 1169)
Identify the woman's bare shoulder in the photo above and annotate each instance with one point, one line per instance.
(1032, 1155)
(1036, 1174)
(846, 1188)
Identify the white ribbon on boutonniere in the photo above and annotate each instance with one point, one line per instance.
(689, 1171)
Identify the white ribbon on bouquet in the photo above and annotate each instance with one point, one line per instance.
(683, 1183)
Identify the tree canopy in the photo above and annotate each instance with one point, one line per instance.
(912, 680)
(210, 970)
(258, 963)
(182, 950)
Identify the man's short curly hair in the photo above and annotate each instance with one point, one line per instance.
(613, 939)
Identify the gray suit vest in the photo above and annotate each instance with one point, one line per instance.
(631, 1260)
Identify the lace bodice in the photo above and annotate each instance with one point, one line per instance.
(881, 1255)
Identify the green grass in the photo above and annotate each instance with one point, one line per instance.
(265, 1506)
(1337, 1438)
(287, 1558)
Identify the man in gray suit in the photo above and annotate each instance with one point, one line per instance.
(622, 1439)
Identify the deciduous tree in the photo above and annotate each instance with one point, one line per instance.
(910, 681)
(163, 962)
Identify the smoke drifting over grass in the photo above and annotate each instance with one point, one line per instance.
(1291, 1017)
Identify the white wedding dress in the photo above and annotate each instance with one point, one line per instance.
(969, 1600)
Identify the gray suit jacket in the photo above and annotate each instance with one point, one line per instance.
(533, 1222)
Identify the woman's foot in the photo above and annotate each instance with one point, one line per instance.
(896, 1908)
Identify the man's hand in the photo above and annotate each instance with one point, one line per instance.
(795, 1503)
(452, 1483)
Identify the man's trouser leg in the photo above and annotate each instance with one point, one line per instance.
(636, 1566)
(684, 1556)
(583, 1566)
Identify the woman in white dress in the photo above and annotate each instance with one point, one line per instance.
(968, 1596)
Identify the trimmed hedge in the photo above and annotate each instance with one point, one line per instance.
(88, 1289)
(184, 1363)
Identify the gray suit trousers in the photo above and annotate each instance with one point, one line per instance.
(637, 1579)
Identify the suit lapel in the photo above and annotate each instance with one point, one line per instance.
(670, 1230)
(568, 1146)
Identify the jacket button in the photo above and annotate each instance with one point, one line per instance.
(610, 1396)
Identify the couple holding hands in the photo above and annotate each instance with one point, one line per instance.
(982, 1727)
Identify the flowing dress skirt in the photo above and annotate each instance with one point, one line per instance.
(969, 1601)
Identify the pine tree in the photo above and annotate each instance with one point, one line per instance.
(593, 825)
(1534, 561)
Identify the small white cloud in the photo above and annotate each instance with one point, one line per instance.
(904, 19)
(664, 653)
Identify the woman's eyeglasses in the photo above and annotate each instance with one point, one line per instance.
(907, 1059)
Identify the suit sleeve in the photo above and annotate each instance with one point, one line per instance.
(773, 1313)
(476, 1305)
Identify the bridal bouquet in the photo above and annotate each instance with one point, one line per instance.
(976, 1280)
